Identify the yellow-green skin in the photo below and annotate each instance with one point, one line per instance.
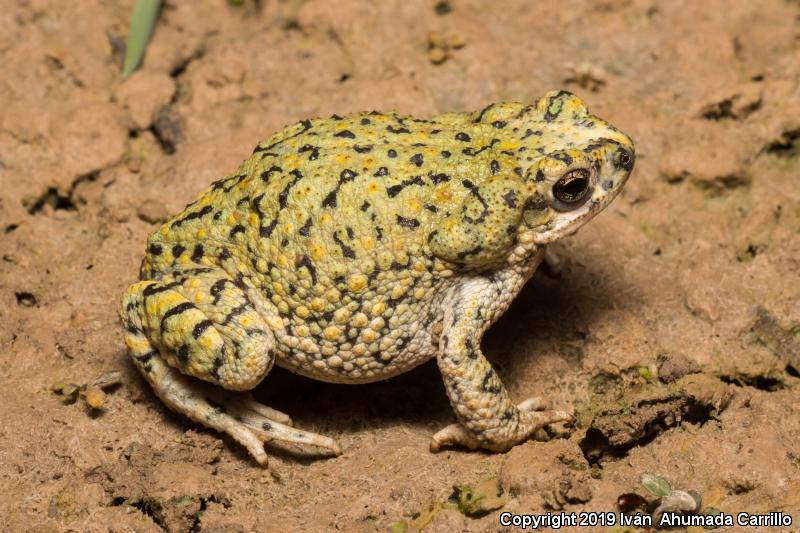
(352, 249)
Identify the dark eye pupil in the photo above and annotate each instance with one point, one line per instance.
(572, 187)
(625, 159)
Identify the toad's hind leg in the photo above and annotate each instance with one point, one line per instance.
(199, 324)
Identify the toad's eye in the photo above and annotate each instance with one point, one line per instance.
(624, 159)
(572, 188)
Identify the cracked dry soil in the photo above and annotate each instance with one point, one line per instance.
(672, 329)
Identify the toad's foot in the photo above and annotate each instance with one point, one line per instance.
(246, 402)
(245, 420)
(533, 416)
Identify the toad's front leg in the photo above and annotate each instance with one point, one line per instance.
(487, 417)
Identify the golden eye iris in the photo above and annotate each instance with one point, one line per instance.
(572, 187)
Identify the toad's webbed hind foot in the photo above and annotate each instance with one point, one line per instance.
(248, 422)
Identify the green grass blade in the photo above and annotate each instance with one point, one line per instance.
(143, 20)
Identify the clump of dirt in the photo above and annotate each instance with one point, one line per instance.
(671, 325)
(636, 418)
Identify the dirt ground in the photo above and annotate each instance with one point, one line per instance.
(672, 329)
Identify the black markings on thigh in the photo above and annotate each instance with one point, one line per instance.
(216, 365)
(154, 249)
(183, 275)
(172, 311)
(236, 311)
(216, 289)
(392, 129)
(155, 288)
(177, 250)
(145, 357)
(417, 159)
(183, 354)
(362, 149)
(200, 327)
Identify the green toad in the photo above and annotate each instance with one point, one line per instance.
(352, 249)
